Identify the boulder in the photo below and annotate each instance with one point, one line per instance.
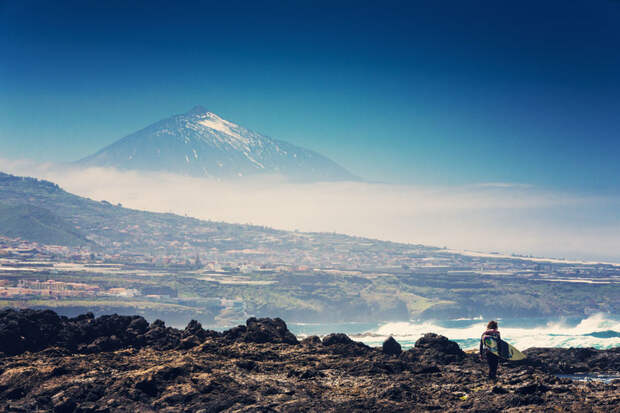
(311, 341)
(437, 342)
(391, 347)
(434, 348)
(268, 330)
(340, 343)
(337, 338)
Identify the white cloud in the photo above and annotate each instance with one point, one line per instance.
(486, 217)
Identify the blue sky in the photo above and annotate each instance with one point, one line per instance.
(447, 93)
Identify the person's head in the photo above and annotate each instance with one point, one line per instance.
(492, 325)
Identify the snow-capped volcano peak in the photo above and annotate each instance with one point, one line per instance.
(201, 143)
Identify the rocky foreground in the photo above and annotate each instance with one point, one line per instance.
(120, 363)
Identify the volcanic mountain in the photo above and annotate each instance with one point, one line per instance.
(200, 143)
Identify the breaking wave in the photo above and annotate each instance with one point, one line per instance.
(599, 331)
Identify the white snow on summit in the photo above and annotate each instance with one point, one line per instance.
(221, 125)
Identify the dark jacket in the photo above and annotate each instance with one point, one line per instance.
(488, 333)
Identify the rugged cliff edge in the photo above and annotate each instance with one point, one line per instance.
(120, 363)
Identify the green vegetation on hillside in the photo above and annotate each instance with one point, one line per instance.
(36, 224)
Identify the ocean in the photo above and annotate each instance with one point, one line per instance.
(600, 331)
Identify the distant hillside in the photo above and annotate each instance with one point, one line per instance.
(36, 224)
(306, 277)
(121, 230)
(110, 226)
(200, 143)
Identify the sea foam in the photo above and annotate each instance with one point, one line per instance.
(599, 331)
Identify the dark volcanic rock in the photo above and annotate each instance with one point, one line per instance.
(35, 330)
(133, 366)
(391, 346)
(400, 392)
(434, 348)
(261, 330)
(439, 343)
(193, 335)
(189, 342)
(235, 333)
(138, 326)
(337, 338)
(27, 330)
(531, 388)
(573, 360)
(158, 323)
(312, 341)
(194, 328)
(340, 343)
(268, 330)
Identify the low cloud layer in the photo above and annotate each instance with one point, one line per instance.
(485, 217)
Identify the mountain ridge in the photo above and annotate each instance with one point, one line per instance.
(201, 143)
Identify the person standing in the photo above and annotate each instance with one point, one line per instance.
(492, 359)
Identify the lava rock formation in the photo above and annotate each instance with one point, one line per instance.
(119, 363)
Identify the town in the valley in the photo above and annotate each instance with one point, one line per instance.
(223, 286)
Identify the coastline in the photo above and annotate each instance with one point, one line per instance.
(123, 363)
